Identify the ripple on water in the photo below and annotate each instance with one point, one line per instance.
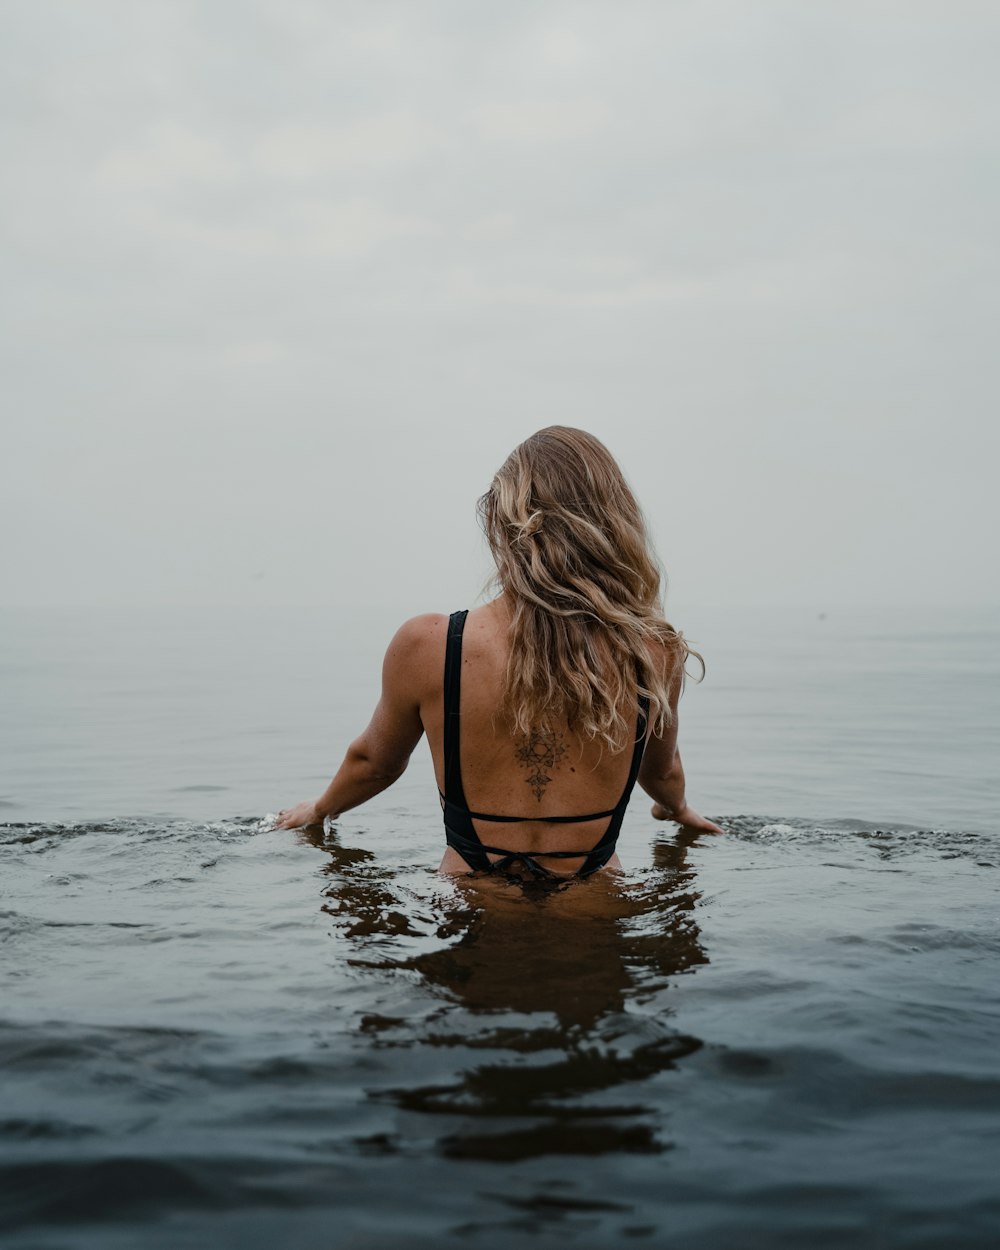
(216, 1019)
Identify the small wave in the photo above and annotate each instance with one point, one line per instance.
(886, 839)
(143, 829)
(897, 838)
(63, 1192)
(44, 1130)
(843, 1089)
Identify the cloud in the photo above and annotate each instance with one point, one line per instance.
(167, 158)
(397, 238)
(540, 121)
(369, 145)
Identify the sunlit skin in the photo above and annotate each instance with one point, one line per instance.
(582, 776)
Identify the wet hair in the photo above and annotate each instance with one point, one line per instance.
(575, 562)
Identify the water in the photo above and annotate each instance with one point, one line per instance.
(213, 1034)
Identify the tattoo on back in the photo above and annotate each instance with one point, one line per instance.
(540, 752)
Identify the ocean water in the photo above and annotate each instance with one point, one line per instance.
(214, 1034)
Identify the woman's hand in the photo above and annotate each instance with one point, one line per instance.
(301, 816)
(687, 818)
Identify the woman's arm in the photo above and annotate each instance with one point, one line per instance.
(661, 775)
(379, 756)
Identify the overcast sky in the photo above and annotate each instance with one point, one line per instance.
(285, 282)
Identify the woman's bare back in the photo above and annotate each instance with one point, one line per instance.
(549, 772)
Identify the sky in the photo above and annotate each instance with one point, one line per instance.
(285, 281)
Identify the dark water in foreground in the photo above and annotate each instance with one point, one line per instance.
(216, 1035)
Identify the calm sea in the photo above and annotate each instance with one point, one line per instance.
(216, 1035)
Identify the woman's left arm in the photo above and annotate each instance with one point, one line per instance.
(380, 755)
(661, 774)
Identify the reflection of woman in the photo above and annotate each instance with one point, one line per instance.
(616, 938)
(543, 707)
(524, 1043)
(620, 937)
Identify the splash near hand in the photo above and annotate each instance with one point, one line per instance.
(301, 816)
(687, 818)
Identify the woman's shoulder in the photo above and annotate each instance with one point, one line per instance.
(420, 642)
(427, 629)
(431, 628)
(414, 658)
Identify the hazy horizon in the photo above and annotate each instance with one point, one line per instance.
(287, 281)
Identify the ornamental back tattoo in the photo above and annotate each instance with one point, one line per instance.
(540, 752)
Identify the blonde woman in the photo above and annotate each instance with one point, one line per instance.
(545, 706)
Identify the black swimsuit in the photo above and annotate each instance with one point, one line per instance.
(459, 829)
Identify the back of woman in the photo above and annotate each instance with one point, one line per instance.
(562, 789)
(545, 706)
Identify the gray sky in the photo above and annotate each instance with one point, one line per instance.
(285, 281)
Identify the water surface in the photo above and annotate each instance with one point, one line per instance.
(216, 1034)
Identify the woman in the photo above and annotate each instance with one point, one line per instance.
(549, 702)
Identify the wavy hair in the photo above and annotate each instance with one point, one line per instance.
(575, 561)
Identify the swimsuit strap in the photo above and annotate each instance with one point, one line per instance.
(475, 854)
(454, 791)
(605, 848)
(548, 820)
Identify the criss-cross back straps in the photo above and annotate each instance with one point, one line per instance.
(453, 798)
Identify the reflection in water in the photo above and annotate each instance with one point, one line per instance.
(555, 981)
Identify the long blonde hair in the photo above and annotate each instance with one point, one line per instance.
(575, 562)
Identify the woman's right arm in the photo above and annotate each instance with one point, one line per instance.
(661, 775)
(379, 756)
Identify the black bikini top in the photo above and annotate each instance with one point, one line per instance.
(459, 829)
